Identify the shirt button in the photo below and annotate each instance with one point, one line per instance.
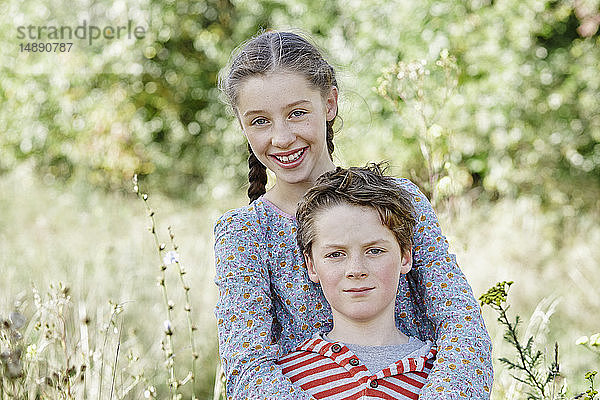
(336, 348)
(354, 362)
(374, 384)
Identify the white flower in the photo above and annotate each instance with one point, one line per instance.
(582, 340)
(168, 327)
(171, 257)
(31, 352)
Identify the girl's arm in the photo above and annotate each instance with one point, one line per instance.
(463, 368)
(245, 320)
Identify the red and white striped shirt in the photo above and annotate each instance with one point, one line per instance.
(331, 371)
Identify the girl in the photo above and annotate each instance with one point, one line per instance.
(285, 96)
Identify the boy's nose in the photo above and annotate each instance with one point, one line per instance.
(356, 270)
(357, 274)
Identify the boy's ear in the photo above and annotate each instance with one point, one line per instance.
(310, 267)
(406, 261)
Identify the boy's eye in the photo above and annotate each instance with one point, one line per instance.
(334, 254)
(375, 251)
(259, 121)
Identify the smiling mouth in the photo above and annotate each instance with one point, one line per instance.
(290, 158)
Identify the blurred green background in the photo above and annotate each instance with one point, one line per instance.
(511, 156)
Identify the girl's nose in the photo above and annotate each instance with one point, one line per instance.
(283, 136)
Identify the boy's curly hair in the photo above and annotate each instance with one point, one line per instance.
(361, 186)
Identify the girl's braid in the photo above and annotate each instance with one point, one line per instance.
(257, 176)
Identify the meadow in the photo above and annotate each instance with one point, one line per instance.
(491, 107)
(94, 247)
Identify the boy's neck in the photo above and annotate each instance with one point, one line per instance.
(369, 333)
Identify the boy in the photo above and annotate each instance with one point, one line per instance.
(355, 231)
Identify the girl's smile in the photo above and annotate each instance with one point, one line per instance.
(290, 159)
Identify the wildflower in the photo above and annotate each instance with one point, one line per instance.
(595, 339)
(171, 257)
(31, 352)
(150, 392)
(136, 188)
(582, 340)
(590, 374)
(496, 295)
(168, 327)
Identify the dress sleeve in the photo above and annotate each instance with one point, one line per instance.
(245, 319)
(463, 368)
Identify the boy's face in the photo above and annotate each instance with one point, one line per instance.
(358, 263)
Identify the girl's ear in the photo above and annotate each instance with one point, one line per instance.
(332, 103)
(310, 267)
(406, 261)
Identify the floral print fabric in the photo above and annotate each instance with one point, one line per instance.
(267, 305)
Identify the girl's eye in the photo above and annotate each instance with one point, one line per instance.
(259, 121)
(298, 113)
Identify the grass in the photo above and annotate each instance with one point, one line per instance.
(97, 244)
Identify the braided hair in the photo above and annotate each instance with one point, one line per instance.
(272, 51)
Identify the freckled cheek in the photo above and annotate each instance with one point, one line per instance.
(332, 280)
(389, 273)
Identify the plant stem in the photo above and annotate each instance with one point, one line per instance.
(112, 385)
(188, 310)
(169, 351)
(512, 330)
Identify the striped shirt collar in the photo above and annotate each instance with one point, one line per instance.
(344, 357)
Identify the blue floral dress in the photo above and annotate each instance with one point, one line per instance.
(267, 305)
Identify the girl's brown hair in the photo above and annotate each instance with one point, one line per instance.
(276, 51)
(361, 186)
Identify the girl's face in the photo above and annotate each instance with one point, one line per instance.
(284, 119)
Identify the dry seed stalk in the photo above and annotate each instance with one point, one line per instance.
(188, 312)
(167, 347)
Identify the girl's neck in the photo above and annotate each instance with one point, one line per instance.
(286, 200)
(286, 196)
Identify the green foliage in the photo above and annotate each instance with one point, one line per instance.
(591, 393)
(529, 362)
(522, 120)
(419, 85)
(592, 343)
